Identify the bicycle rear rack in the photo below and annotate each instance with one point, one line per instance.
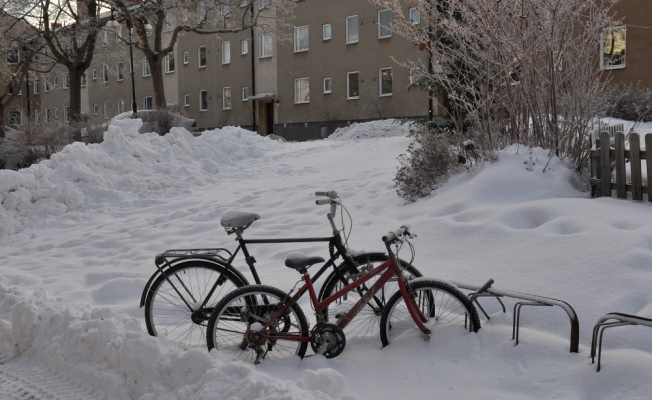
(178, 254)
(613, 320)
(530, 300)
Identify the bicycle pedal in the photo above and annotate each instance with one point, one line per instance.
(339, 314)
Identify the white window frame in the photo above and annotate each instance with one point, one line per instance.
(381, 27)
(186, 57)
(380, 82)
(245, 93)
(262, 38)
(200, 102)
(55, 81)
(298, 44)
(199, 51)
(84, 82)
(297, 84)
(15, 118)
(226, 52)
(147, 69)
(119, 72)
(413, 21)
(95, 109)
(186, 100)
(348, 90)
(323, 32)
(66, 113)
(56, 113)
(105, 74)
(94, 74)
(46, 115)
(244, 47)
(37, 115)
(107, 108)
(169, 70)
(324, 89)
(224, 96)
(624, 57)
(148, 99)
(46, 84)
(104, 35)
(66, 81)
(348, 40)
(121, 106)
(36, 86)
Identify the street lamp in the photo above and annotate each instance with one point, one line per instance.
(134, 107)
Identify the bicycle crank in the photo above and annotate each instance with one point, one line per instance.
(328, 340)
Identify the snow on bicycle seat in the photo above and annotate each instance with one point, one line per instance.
(297, 260)
(238, 219)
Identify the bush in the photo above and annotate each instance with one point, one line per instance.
(36, 142)
(431, 158)
(633, 104)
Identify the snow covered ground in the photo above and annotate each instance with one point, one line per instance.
(78, 235)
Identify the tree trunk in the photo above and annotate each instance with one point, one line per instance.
(157, 81)
(2, 120)
(74, 81)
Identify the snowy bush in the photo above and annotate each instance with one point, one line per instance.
(633, 104)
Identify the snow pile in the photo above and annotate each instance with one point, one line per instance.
(373, 129)
(125, 166)
(112, 353)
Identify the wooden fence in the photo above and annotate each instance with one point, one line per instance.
(605, 158)
(611, 129)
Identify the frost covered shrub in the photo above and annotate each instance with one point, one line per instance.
(36, 142)
(431, 157)
(633, 104)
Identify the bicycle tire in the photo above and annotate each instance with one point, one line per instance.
(454, 308)
(232, 317)
(165, 311)
(367, 321)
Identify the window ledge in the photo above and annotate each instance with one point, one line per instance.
(353, 42)
(613, 67)
(303, 102)
(384, 37)
(386, 95)
(169, 72)
(353, 98)
(328, 92)
(301, 51)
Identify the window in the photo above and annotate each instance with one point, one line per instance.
(201, 53)
(94, 75)
(36, 86)
(328, 85)
(612, 48)
(47, 115)
(66, 114)
(119, 73)
(121, 106)
(263, 3)
(15, 118)
(55, 81)
(107, 108)
(105, 37)
(326, 32)
(201, 12)
(352, 85)
(186, 58)
(56, 113)
(265, 43)
(186, 100)
(169, 63)
(94, 109)
(352, 29)
(226, 52)
(83, 80)
(168, 22)
(245, 93)
(13, 57)
(203, 100)
(414, 74)
(37, 115)
(244, 47)
(105, 74)
(301, 90)
(147, 69)
(147, 103)
(301, 34)
(66, 83)
(384, 24)
(118, 33)
(385, 81)
(415, 16)
(46, 84)
(226, 98)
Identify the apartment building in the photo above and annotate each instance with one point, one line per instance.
(343, 66)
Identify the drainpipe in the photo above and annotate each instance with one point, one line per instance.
(253, 72)
(29, 101)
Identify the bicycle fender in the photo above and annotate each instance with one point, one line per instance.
(156, 274)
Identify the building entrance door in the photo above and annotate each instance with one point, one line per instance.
(269, 118)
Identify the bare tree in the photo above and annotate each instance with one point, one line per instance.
(329, 116)
(165, 20)
(516, 71)
(378, 108)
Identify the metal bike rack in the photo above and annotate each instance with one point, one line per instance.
(613, 320)
(530, 300)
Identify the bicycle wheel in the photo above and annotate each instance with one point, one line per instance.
(367, 321)
(440, 303)
(229, 325)
(166, 311)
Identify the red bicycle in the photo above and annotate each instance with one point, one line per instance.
(261, 322)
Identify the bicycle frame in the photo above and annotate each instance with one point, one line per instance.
(388, 269)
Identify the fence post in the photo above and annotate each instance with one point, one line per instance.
(605, 163)
(648, 161)
(621, 176)
(595, 171)
(635, 165)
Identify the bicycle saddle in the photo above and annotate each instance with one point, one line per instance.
(238, 219)
(298, 261)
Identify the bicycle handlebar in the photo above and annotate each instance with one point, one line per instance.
(397, 234)
(486, 286)
(332, 194)
(323, 201)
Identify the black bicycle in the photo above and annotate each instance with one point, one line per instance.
(181, 295)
